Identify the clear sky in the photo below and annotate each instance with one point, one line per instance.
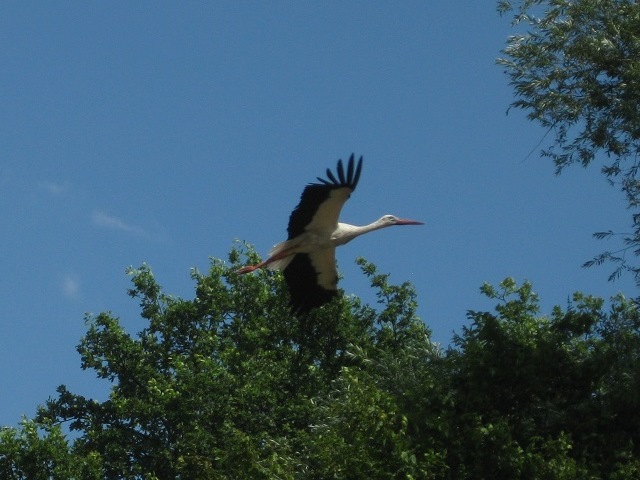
(161, 132)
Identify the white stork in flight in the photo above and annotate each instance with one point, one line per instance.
(307, 257)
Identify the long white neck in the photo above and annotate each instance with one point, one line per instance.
(345, 232)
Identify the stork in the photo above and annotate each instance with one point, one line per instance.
(307, 257)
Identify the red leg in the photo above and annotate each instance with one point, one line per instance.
(251, 268)
(247, 269)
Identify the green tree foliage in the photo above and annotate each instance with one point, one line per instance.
(545, 396)
(39, 451)
(575, 69)
(231, 385)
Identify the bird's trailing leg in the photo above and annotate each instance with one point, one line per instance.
(249, 268)
(278, 256)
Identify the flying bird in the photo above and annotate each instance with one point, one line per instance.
(307, 257)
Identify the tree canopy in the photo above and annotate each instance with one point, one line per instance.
(230, 384)
(575, 70)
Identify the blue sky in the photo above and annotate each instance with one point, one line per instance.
(161, 132)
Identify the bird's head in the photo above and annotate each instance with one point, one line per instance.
(389, 220)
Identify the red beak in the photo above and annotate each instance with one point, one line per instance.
(404, 221)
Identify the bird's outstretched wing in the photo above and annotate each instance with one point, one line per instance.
(320, 203)
(312, 279)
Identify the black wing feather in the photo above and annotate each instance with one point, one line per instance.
(331, 177)
(350, 170)
(354, 180)
(316, 193)
(302, 280)
(341, 172)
